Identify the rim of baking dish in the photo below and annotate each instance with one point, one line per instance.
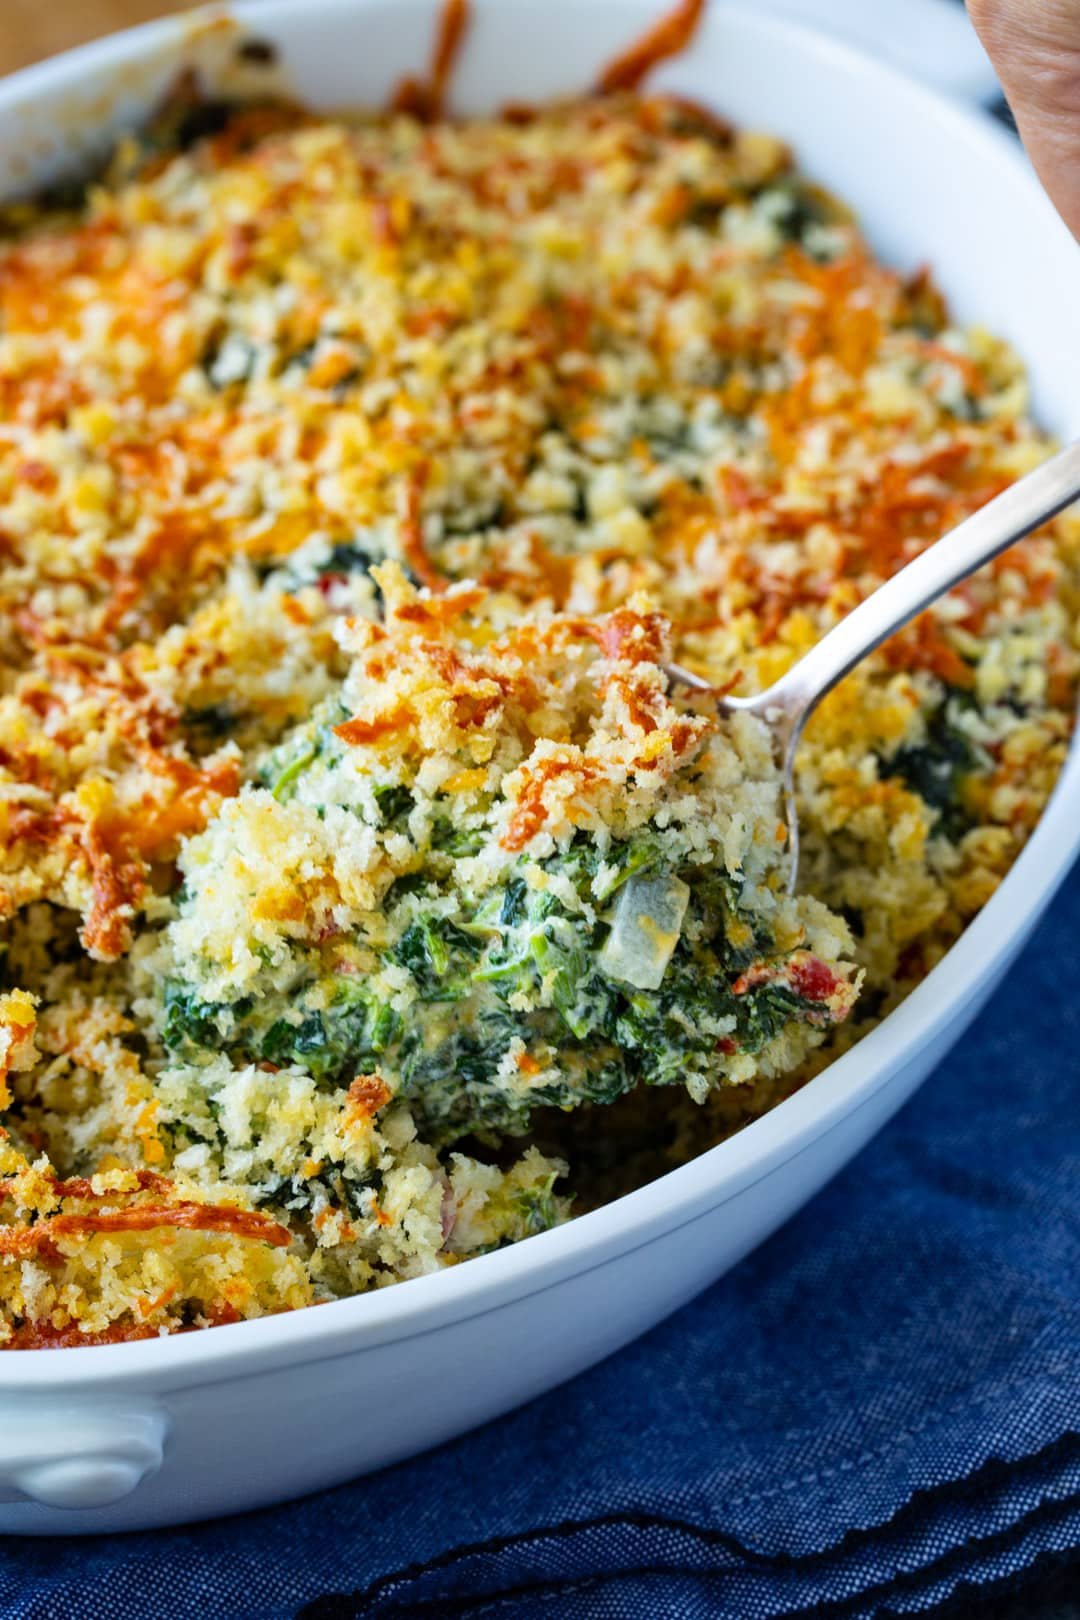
(488, 1282)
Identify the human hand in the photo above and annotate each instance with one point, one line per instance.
(1035, 47)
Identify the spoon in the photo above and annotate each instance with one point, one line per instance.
(788, 703)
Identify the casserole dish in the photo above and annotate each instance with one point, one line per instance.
(143, 1434)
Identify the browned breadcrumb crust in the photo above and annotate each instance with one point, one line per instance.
(546, 362)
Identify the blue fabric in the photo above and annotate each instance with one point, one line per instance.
(877, 1410)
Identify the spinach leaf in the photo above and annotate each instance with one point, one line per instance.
(337, 1041)
(937, 768)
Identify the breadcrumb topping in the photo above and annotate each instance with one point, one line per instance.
(363, 885)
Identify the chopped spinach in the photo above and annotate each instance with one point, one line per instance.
(349, 557)
(537, 1208)
(458, 842)
(337, 1041)
(211, 723)
(525, 966)
(191, 1022)
(345, 559)
(629, 857)
(506, 1005)
(438, 956)
(394, 801)
(797, 209)
(937, 768)
(282, 768)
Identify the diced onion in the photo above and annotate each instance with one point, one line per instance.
(645, 930)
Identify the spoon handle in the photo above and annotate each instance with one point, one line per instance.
(977, 540)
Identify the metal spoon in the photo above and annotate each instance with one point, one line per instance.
(788, 703)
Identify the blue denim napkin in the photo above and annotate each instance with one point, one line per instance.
(877, 1410)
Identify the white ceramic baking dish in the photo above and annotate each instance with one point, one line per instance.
(159, 1432)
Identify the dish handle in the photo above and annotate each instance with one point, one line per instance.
(932, 40)
(77, 1454)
